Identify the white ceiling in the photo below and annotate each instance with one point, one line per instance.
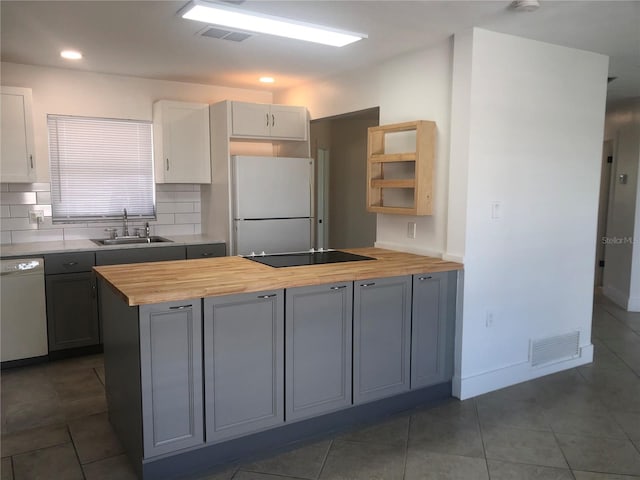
(148, 39)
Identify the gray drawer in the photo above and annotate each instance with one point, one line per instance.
(206, 251)
(140, 255)
(68, 262)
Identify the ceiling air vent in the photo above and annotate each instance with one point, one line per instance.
(223, 34)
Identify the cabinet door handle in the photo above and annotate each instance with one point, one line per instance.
(273, 120)
(422, 279)
(180, 307)
(207, 254)
(31, 160)
(271, 295)
(267, 115)
(93, 289)
(339, 287)
(69, 264)
(167, 164)
(368, 284)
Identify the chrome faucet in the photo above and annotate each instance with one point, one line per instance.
(147, 230)
(125, 224)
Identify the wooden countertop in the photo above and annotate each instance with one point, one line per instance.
(147, 283)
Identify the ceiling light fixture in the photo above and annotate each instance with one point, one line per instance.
(71, 54)
(525, 5)
(217, 14)
(267, 79)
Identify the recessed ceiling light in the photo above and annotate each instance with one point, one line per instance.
(217, 14)
(71, 54)
(267, 79)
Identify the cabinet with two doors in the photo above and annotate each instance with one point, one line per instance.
(395, 334)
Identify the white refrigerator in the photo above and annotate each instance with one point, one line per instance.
(271, 204)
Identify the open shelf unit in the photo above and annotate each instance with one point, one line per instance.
(401, 183)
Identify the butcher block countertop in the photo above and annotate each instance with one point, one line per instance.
(158, 282)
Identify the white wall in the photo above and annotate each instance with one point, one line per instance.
(621, 282)
(416, 86)
(72, 92)
(534, 125)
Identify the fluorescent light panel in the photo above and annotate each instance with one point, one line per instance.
(216, 14)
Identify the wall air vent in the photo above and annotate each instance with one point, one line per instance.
(224, 34)
(549, 350)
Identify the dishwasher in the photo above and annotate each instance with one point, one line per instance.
(23, 317)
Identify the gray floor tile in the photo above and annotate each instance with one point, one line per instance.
(82, 407)
(31, 413)
(34, 439)
(522, 446)
(72, 385)
(589, 425)
(226, 474)
(242, 475)
(601, 476)
(584, 401)
(94, 438)
(630, 423)
(511, 471)
(114, 468)
(391, 432)
(304, 462)
(359, 461)
(6, 469)
(454, 434)
(520, 392)
(437, 466)
(60, 461)
(604, 455)
(517, 414)
(100, 373)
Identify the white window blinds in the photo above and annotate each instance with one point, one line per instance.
(99, 167)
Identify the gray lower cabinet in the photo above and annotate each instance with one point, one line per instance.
(140, 255)
(171, 376)
(432, 336)
(318, 349)
(72, 310)
(243, 363)
(381, 337)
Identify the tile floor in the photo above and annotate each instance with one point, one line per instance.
(581, 424)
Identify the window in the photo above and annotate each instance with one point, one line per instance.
(99, 167)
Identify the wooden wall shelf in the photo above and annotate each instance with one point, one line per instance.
(409, 174)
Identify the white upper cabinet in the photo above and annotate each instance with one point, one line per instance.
(181, 142)
(257, 120)
(17, 160)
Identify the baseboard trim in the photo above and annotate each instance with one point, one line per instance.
(616, 296)
(473, 386)
(634, 304)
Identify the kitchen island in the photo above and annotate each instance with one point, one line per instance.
(212, 361)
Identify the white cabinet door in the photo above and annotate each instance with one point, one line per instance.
(250, 119)
(288, 122)
(17, 157)
(181, 142)
(257, 120)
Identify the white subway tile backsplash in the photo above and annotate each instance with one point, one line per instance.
(22, 236)
(18, 198)
(29, 187)
(175, 229)
(183, 218)
(178, 213)
(43, 197)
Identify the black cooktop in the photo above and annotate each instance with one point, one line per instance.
(307, 258)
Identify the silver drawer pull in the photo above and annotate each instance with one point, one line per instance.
(425, 278)
(368, 284)
(207, 254)
(340, 287)
(180, 307)
(70, 264)
(267, 296)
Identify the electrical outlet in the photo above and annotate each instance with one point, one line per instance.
(36, 216)
(411, 230)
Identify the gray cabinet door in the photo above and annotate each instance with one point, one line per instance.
(72, 310)
(171, 376)
(243, 363)
(381, 337)
(432, 328)
(318, 351)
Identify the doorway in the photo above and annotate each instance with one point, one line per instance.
(339, 145)
(603, 210)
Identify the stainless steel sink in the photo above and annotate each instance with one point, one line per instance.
(130, 240)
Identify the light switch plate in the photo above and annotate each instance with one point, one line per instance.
(411, 230)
